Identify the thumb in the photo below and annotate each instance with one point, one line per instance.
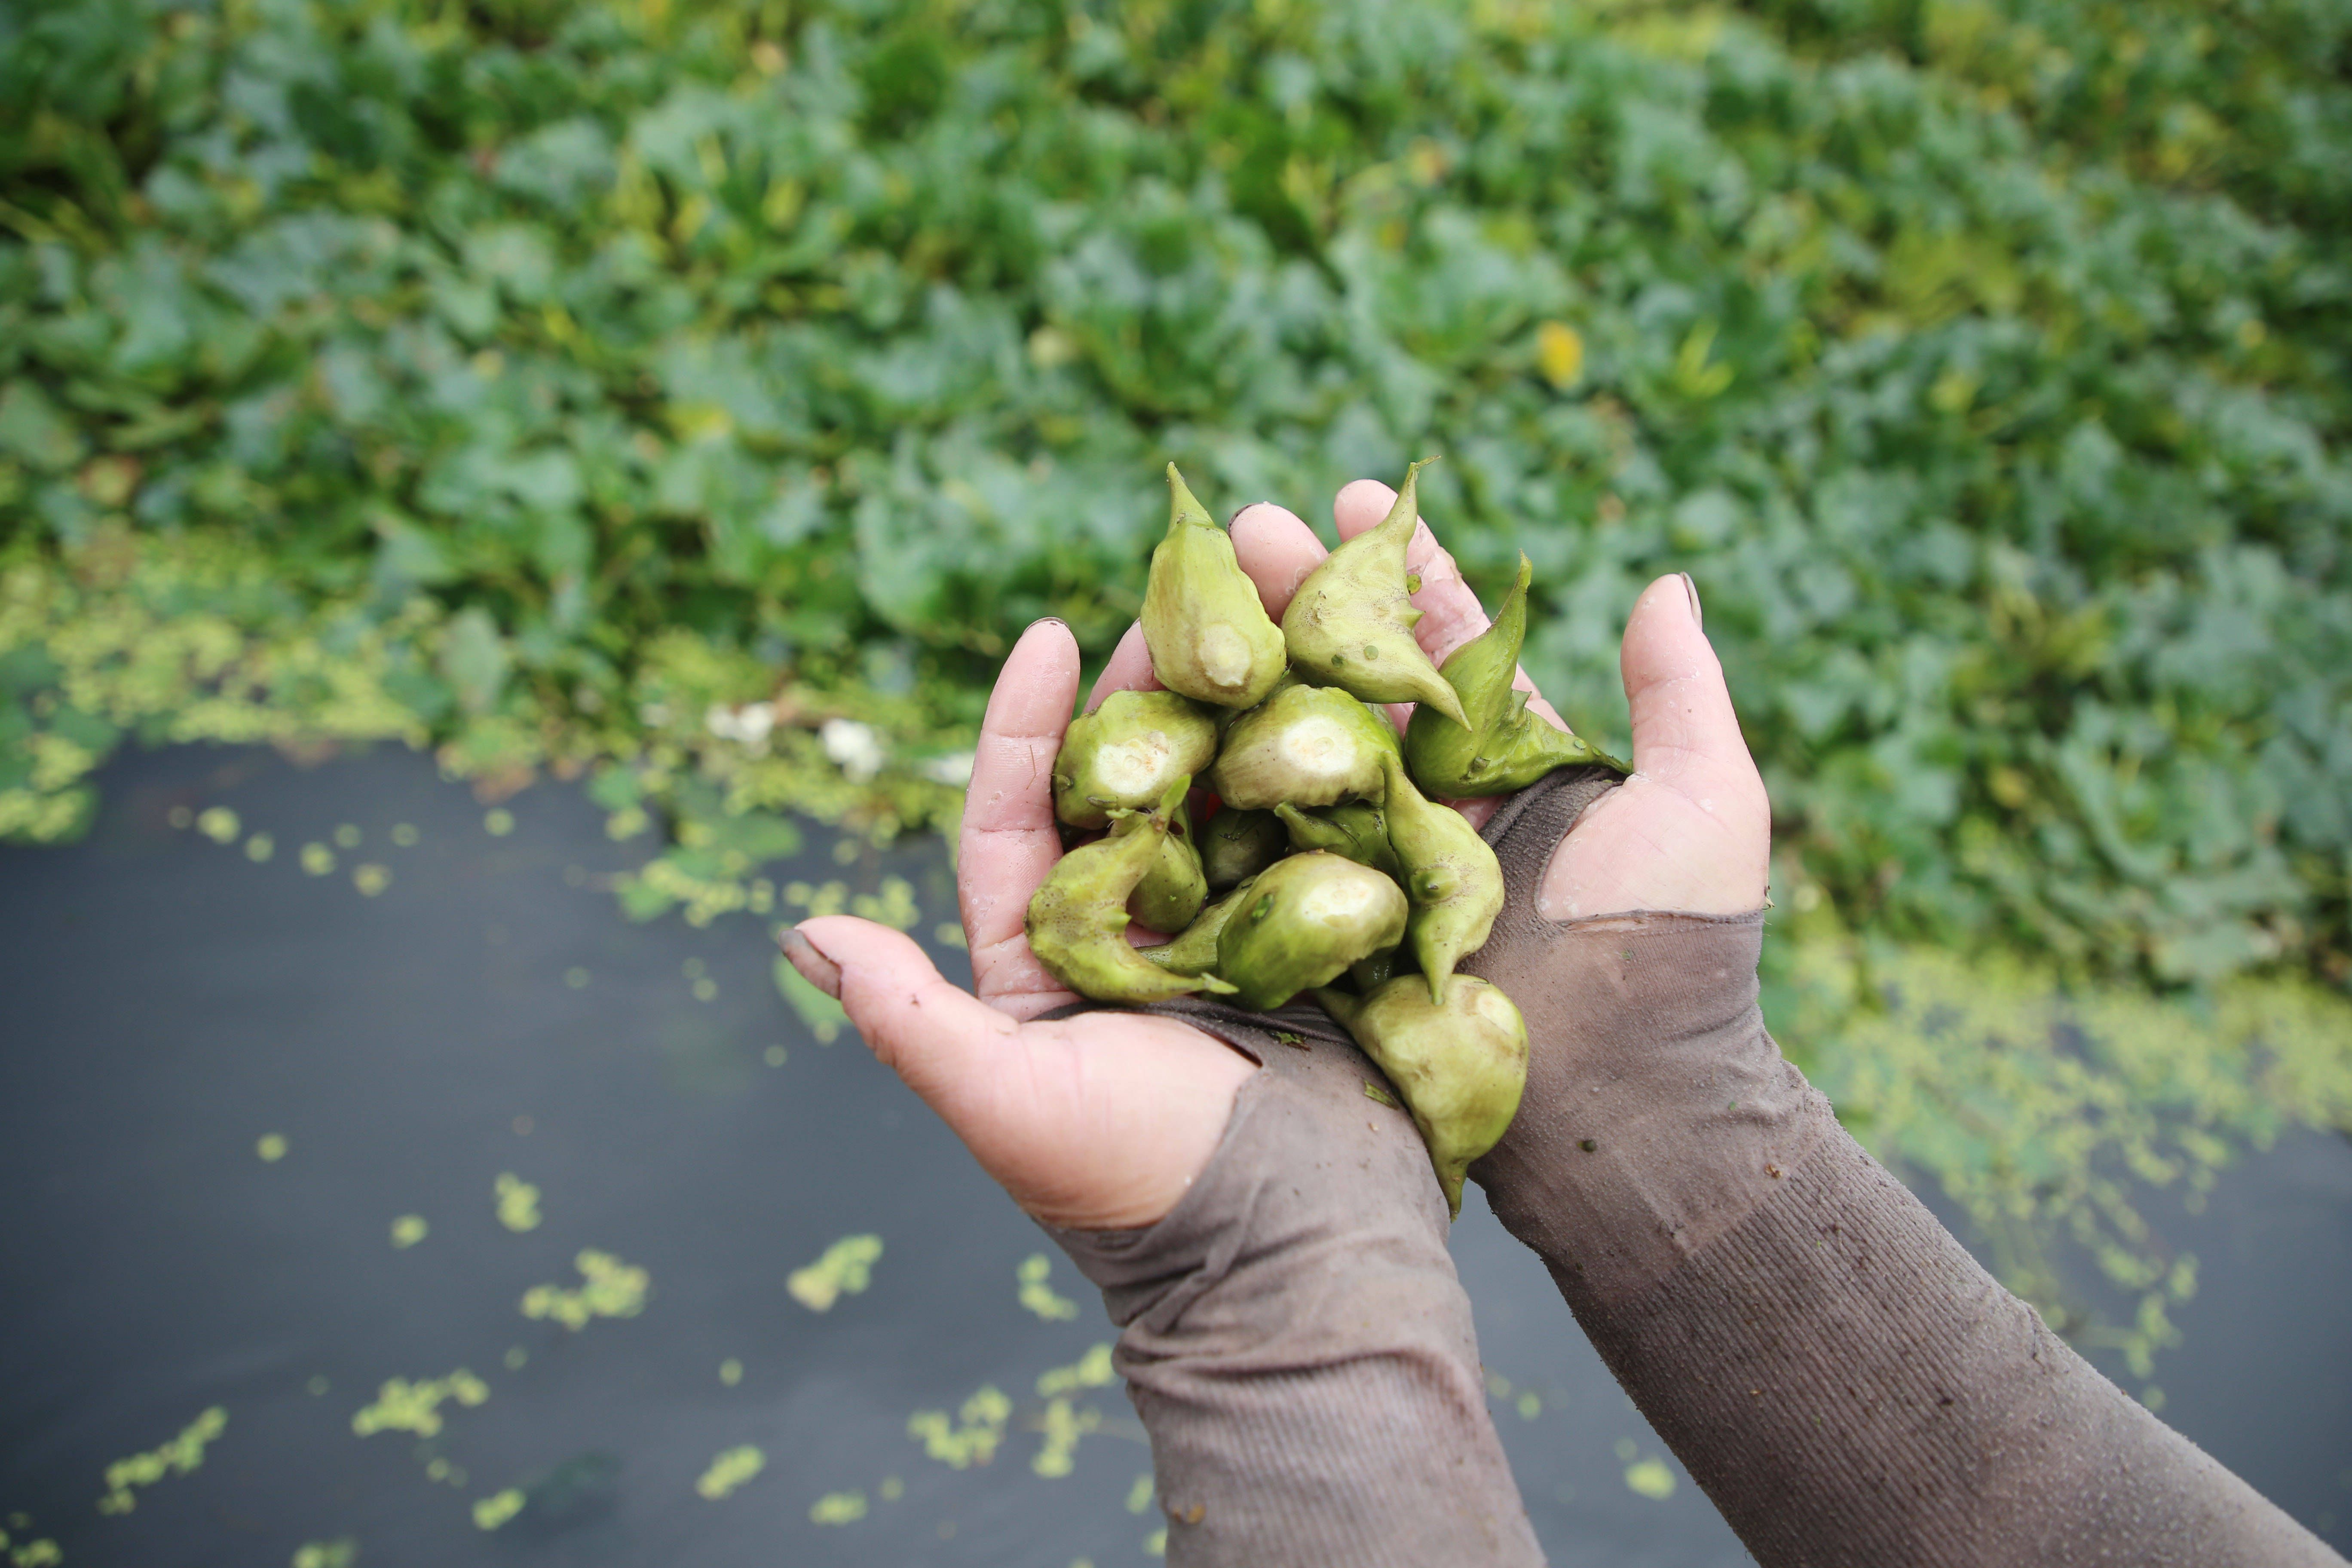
(941, 1040)
(1686, 735)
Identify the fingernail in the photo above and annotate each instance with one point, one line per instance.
(1242, 508)
(1698, 617)
(814, 966)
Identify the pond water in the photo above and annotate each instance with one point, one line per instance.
(273, 1135)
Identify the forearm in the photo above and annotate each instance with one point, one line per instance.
(1830, 1365)
(1296, 1340)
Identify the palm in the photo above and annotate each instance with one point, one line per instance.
(1101, 1121)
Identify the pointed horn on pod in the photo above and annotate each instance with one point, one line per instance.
(1077, 919)
(1453, 879)
(1504, 748)
(1351, 623)
(1209, 635)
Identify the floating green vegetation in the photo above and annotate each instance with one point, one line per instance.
(838, 1508)
(518, 1202)
(341, 1552)
(409, 1230)
(405, 1406)
(318, 860)
(1063, 1426)
(893, 904)
(38, 1552)
(180, 1455)
(730, 1372)
(845, 1269)
(825, 1017)
(494, 1510)
(1036, 1296)
(1651, 1478)
(972, 1438)
(1138, 1494)
(370, 879)
(271, 1147)
(1092, 1370)
(218, 824)
(729, 1470)
(2050, 1111)
(613, 1289)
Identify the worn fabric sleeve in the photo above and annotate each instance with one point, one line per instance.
(1829, 1365)
(1294, 1338)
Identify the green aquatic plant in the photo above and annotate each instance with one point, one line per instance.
(1302, 923)
(1499, 747)
(1350, 624)
(1307, 746)
(403, 1406)
(1461, 1062)
(1450, 874)
(611, 1288)
(728, 1472)
(1208, 634)
(845, 1268)
(1076, 920)
(180, 1455)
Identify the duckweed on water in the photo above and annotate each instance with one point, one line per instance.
(338, 1553)
(518, 1202)
(1651, 1478)
(972, 1438)
(494, 1510)
(838, 1508)
(271, 1147)
(180, 1455)
(1063, 1426)
(405, 1406)
(1092, 1370)
(1036, 1295)
(729, 1470)
(408, 1230)
(845, 1269)
(613, 1289)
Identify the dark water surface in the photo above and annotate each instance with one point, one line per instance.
(170, 1003)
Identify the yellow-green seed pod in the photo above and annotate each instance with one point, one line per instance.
(1461, 1066)
(1193, 950)
(1237, 845)
(1173, 890)
(1357, 829)
(1120, 757)
(1305, 745)
(1453, 879)
(1078, 920)
(1209, 636)
(1306, 919)
(1504, 747)
(1351, 623)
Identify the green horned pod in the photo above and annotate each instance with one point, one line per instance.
(1358, 829)
(1209, 636)
(1193, 950)
(1504, 747)
(1303, 920)
(1173, 890)
(1305, 745)
(1453, 879)
(1120, 757)
(1238, 845)
(1461, 1065)
(1078, 920)
(1351, 623)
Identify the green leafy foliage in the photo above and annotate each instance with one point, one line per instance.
(558, 383)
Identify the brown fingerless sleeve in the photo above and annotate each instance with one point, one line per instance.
(1829, 1365)
(1294, 1338)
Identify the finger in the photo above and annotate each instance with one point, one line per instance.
(1010, 840)
(939, 1040)
(1130, 669)
(1451, 614)
(1691, 828)
(1277, 550)
(1685, 730)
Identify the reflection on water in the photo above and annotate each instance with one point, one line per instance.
(378, 1193)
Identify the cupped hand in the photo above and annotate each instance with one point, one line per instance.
(1102, 1121)
(1095, 1122)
